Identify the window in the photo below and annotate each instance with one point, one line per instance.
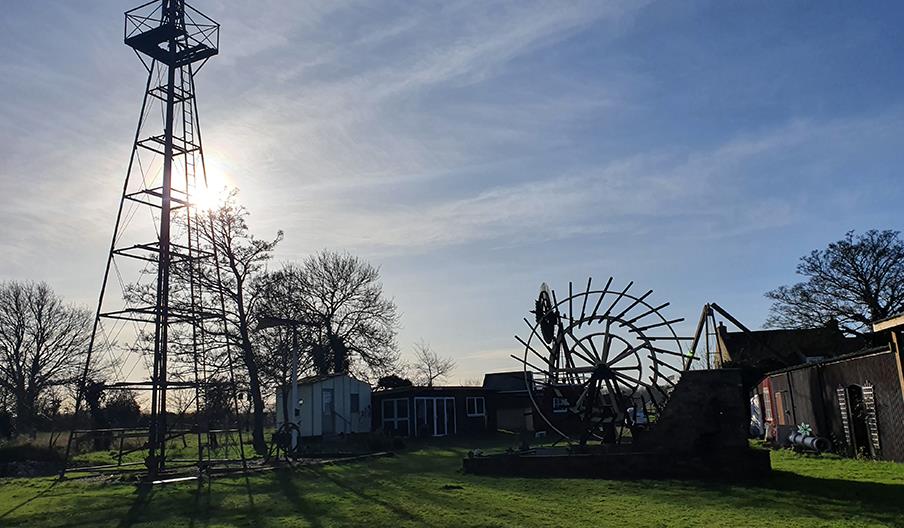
(354, 403)
(475, 406)
(560, 405)
(395, 416)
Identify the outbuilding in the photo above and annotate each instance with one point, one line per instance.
(856, 400)
(431, 411)
(328, 405)
(510, 405)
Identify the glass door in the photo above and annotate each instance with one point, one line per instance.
(450, 415)
(440, 424)
(434, 416)
(425, 417)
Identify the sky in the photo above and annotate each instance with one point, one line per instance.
(473, 150)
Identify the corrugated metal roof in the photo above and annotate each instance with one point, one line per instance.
(322, 377)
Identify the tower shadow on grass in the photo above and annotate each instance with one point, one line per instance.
(145, 492)
(401, 512)
(28, 501)
(203, 489)
(300, 505)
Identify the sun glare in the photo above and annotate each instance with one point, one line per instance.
(212, 195)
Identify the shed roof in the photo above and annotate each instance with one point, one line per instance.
(506, 381)
(774, 349)
(323, 377)
(837, 359)
(420, 389)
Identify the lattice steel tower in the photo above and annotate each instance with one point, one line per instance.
(154, 316)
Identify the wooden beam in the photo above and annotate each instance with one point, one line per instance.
(888, 324)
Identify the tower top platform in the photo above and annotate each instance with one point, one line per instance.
(149, 28)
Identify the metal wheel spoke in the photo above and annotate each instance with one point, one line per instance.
(528, 364)
(633, 304)
(584, 306)
(607, 342)
(625, 353)
(618, 298)
(635, 367)
(602, 295)
(596, 353)
(578, 343)
(603, 382)
(664, 364)
(533, 331)
(530, 348)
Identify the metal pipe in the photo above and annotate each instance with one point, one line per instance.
(813, 443)
(295, 414)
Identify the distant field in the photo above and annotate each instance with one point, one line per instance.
(424, 487)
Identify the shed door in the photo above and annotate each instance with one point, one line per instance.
(329, 421)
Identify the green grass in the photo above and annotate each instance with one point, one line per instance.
(425, 487)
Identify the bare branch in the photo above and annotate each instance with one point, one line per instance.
(854, 282)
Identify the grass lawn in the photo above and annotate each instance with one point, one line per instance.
(425, 487)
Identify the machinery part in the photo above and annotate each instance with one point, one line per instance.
(596, 357)
(813, 443)
(545, 315)
(805, 429)
(282, 441)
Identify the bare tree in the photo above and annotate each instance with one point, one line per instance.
(230, 283)
(348, 324)
(241, 258)
(428, 366)
(855, 281)
(43, 345)
(280, 294)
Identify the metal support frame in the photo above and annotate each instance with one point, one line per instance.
(708, 326)
(173, 41)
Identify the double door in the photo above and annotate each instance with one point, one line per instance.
(435, 416)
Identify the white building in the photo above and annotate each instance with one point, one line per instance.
(329, 404)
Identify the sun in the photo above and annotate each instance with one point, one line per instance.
(214, 193)
(206, 198)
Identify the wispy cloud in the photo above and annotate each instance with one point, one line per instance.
(422, 133)
(704, 193)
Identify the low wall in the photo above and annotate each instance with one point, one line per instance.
(727, 464)
(702, 433)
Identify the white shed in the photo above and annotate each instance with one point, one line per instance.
(330, 404)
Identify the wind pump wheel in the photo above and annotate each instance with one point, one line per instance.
(601, 361)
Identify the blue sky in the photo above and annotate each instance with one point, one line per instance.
(476, 149)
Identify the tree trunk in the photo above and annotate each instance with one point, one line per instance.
(257, 400)
(25, 413)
